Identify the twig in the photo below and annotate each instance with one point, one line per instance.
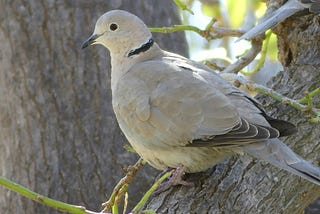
(238, 81)
(122, 186)
(129, 149)
(177, 28)
(61, 206)
(220, 32)
(183, 6)
(209, 33)
(308, 99)
(148, 212)
(212, 32)
(262, 60)
(217, 32)
(115, 209)
(125, 206)
(146, 196)
(217, 64)
(309, 95)
(246, 58)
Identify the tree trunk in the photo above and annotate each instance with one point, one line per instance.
(245, 185)
(59, 135)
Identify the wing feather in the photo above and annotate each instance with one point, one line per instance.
(177, 102)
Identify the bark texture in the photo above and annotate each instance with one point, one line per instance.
(245, 185)
(59, 135)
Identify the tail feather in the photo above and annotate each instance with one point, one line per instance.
(308, 170)
(280, 155)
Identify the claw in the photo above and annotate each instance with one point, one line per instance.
(174, 180)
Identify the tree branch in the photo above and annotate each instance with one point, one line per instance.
(44, 200)
(145, 198)
(262, 60)
(121, 188)
(212, 32)
(314, 113)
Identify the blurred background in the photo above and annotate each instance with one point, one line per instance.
(235, 14)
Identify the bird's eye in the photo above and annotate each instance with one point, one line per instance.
(113, 27)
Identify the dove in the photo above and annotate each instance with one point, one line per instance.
(177, 113)
(286, 10)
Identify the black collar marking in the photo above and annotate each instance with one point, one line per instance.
(143, 48)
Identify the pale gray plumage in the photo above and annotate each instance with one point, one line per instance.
(175, 111)
(288, 9)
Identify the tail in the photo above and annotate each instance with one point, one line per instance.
(289, 8)
(277, 153)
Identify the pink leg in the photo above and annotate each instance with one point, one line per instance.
(174, 180)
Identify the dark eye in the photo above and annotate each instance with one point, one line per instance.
(113, 27)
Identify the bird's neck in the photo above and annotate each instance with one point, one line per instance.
(119, 67)
(122, 63)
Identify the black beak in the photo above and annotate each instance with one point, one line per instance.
(89, 41)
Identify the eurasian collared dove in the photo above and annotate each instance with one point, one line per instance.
(176, 112)
(288, 9)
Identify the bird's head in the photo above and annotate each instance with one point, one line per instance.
(119, 30)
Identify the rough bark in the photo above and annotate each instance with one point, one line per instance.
(245, 185)
(59, 135)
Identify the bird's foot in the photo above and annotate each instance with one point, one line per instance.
(174, 180)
